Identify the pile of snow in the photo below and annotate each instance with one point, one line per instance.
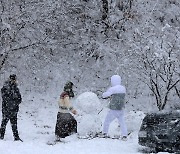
(134, 120)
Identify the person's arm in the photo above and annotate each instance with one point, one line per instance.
(5, 96)
(108, 93)
(19, 95)
(69, 105)
(4, 91)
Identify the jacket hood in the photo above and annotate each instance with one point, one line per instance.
(115, 80)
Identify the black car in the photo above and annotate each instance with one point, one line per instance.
(161, 131)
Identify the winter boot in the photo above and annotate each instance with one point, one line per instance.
(58, 139)
(124, 138)
(18, 139)
(103, 135)
(1, 137)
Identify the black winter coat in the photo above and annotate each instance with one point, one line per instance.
(11, 98)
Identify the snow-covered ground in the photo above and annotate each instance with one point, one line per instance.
(37, 119)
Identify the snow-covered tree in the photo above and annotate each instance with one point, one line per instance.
(55, 40)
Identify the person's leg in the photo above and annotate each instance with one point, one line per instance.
(4, 122)
(13, 120)
(122, 123)
(109, 118)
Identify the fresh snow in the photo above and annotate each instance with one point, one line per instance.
(36, 124)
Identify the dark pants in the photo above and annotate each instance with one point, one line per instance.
(13, 120)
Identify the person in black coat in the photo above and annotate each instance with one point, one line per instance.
(11, 98)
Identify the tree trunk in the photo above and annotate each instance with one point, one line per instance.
(105, 9)
(3, 60)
